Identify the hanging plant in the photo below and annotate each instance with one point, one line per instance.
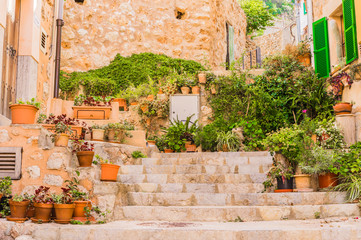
(340, 81)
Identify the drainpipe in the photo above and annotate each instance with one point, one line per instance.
(310, 29)
(59, 25)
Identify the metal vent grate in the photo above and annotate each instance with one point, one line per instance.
(44, 36)
(10, 162)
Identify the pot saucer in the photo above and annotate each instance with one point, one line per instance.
(283, 190)
(303, 190)
(13, 219)
(62, 221)
(34, 220)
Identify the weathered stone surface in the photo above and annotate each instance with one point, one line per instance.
(56, 160)
(38, 156)
(4, 136)
(54, 180)
(25, 237)
(34, 171)
(30, 189)
(105, 188)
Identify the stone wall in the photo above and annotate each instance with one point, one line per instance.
(96, 31)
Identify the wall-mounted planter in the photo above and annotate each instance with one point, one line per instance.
(23, 113)
(87, 112)
(61, 140)
(185, 90)
(85, 158)
(109, 172)
(98, 134)
(122, 103)
(196, 90)
(77, 130)
(202, 78)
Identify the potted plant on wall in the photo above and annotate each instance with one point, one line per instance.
(24, 112)
(283, 175)
(18, 208)
(228, 142)
(77, 127)
(97, 108)
(338, 83)
(61, 135)
(109, 171)
(115, 132)
(194, 84)
(84, 151)
(202, 77)
(98, 132)
(64, 206)
(5, 196)
(151, 139)
(43, 204)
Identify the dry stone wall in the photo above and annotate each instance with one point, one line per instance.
(96, 31)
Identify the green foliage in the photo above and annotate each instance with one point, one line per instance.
(97, 86)
(31, 102)
(18, 198)
(348, 162)
(99, 159)
(207, 137)
(278, 170)
(258, 15)
(138, 154)
(279, 7)
(317, 215)
(127, 71)
(317, 160)
(227, 141)
(5, 186)
(330, 135)
(252, 132)
(75, 192)
(352, 185)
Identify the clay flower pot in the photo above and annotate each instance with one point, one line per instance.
(150, 98)
(122, 103)
(30, 212)
(185, 90)
(92, 112)
(144, 108)
(64, 212)
(284, 184)
(190, 147)
(196, 90)
(151, 142)
(43, 211)
(85, 158)
(109, 172)
(202, 77)
(168, 151)
(134, 103)
(303, 181)
(98, 134)
(342, 108)
(305, 59)
(79, 208)
(23, 113)
(327, 180)
(18, 209)
(61, 140)
(213, 90)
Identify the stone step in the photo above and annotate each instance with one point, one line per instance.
(193, 169)
(315, 229)
(230, 213)
(234, 199)
(195, 187)
(205, 159)
(214, 154)
(192, 178)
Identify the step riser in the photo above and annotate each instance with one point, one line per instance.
(193, 169)
(254, 213)
(223, 199)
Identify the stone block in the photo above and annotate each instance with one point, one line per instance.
(54, 180)
(4, 136)
(34, 171)
(104, 188)
(56, 160)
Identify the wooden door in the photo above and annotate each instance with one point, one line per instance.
(11, 42)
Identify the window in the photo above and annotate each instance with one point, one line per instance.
(321, 47)
(230, 45)
(10, 162)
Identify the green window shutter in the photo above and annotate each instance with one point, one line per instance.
(349, 22)
(321, 48)
(231, 43)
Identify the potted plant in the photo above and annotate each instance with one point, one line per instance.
(338, 83)
(24, 112)
(151, 140)
(195, 88)
(329, 136)
(98, 132)
(283, 176)
(64, 206)
(183, 85)
(109, 171)
(84, 151)
(160, 143)
(5, 196)
(77, 127)
(228, 142)
(61, 135)
(189, 144)
(43, 204)
(18, 208)
(30, 212)
(115, 132)
(97, 108)
(80, 198)
(202, 77)
(304, 53)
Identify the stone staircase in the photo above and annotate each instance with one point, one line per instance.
(207, 187)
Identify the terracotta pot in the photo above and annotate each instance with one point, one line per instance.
(61, 140)
(196, 90)
(160, 91)
(43, 211)
(213, 90)
(90, 112)
(85, 158)
(190, 147)
(303, 181)
(314, 138)
(77, 130)
(168, 150)
(151, 142)
(23, 113)
(202, 77)
(64, 212)
(342, 108)
(109, 172)
(144, 108)
(284, 184)
(134, 103)
(185, 90)
(111, 135)
(305, 59)
(79, 208)
(122, 103)
(150, 97)
(327, 180)
(98, 134)
(18, 209)
(30, 212)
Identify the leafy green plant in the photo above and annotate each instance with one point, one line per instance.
(227, 141)
(118, 128)
(60, 128)
(138, 154)
(31, 102)
(207, 137)
(5, 186)
(278, 170)
(160, 142)
(352, 185)
(99, 159)
(18, 198)
(252, 133)
(348, 162)
(329, 135)
(64, 198)
(74, 191)
(317, 215)
(317, 160)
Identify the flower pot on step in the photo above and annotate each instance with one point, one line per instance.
(61, 140)
(151, 142)
(327, 180)
(23, 113)
(190, 147)
(85, 158)
(30, 212)
(134, 103)
(168, 151)
(202, 78)
(196, 90)
(43, 211)
(18, 209)
(77, 130)
(98, 134)
(79, 208)
(284, 183)
(109, 172)
(122, 104)
(303, 181)
(305, 59)
(185, 90)
(342, 108)
(92, 112)
(64, 212)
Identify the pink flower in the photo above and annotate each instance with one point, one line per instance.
(304, 111)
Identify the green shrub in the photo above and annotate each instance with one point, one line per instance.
(97, 86)
(138, 154)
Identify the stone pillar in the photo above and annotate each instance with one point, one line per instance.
(347, 124)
